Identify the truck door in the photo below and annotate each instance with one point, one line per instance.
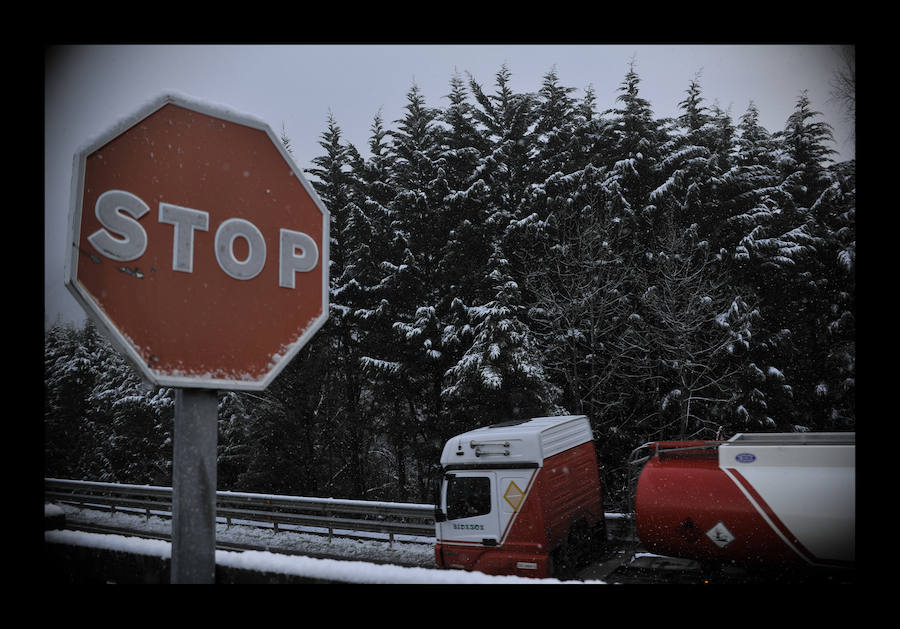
(470, 502)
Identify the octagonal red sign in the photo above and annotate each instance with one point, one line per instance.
(198, 245)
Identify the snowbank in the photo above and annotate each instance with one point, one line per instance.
(325, 569)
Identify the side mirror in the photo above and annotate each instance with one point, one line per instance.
(439, 516)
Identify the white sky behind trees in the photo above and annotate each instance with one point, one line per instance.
(294, 88)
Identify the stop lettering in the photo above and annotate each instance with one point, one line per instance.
(118, 211)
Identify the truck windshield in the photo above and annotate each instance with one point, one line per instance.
(468, 496)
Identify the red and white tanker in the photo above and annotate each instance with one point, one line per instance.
(754, 499)
(525, 498)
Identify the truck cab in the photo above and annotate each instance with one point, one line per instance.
(521, 497)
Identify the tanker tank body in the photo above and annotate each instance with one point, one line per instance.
(756, 499)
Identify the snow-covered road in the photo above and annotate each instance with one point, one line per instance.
(413, 558)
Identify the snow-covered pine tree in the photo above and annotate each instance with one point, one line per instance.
(233, 444)
(353, 270)
(136, 421)
(750, 195)
(370, 230)
(633, 172)
(723, 134)
(500, 375)
(332, 183)
(806, 152)
(418, 221)
(464, 257)
(287, 427)
(785, 237)
(486, 383)
(750, 187)
(375, 310)
(419, 231)
(560, 124)
(554, 131)
(778, 230)
(69, 376)
(102, 421)
(506, 121)
(694, 161)
(563, 245)
(823, 291)
(836, 392)
(635, 158)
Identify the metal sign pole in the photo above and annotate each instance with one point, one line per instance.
(194, 487)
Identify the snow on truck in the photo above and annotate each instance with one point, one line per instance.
(521, 498)
(525, 498)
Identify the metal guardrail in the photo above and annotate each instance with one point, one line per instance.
(392, 518)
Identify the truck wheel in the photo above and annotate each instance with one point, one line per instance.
(579, 546)
(598, 540)
(560, 565)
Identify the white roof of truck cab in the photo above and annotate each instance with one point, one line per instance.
(527, 442)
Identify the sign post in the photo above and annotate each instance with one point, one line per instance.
(200, 249)
(194, 487)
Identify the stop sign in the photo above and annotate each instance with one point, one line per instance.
(198, 245)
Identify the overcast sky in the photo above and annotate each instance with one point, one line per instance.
(293, 88)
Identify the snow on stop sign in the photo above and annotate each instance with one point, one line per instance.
(198, 245)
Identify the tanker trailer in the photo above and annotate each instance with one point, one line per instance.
(763, 499)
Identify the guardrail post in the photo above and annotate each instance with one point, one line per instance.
(194, 487)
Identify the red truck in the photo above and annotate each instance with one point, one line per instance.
(525, 498)
(521, 498)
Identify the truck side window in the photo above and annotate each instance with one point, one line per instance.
(468, 496)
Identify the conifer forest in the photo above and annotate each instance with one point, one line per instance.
(524, 254)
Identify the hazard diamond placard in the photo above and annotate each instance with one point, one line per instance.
(514, 495)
